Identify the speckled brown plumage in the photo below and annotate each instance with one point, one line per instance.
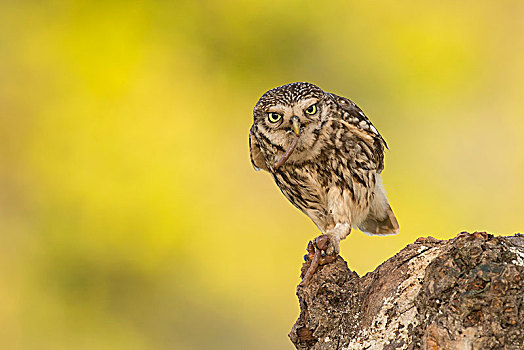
(333, 174)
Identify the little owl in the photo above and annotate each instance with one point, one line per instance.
(326, 157)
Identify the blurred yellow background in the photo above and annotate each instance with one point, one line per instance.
(130, 216)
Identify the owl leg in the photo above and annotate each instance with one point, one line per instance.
(336, 234)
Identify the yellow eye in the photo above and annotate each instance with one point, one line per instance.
(312, 109)
(274, 117)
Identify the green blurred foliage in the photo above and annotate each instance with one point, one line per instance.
(130, 216)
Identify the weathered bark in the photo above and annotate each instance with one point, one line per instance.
(463, 293)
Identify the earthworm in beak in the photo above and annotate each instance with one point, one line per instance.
(296, 129)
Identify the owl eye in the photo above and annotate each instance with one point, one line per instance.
(312, 109)
(274, 117)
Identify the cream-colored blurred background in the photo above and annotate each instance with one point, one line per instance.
(130, 216)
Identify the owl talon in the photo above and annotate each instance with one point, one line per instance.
(310, 247)
(322, 242)
(327, 259)
(317, 255)
(325, 244)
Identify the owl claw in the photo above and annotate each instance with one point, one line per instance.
(318, 254)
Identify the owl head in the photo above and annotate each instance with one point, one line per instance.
(280, 116)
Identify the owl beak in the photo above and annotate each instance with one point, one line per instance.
(295, 125)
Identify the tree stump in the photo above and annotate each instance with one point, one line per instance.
(463, 293)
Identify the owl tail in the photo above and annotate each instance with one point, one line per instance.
(383, 225)
(380, 220)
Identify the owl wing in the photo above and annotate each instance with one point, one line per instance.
(352, 114)
(257, 158)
